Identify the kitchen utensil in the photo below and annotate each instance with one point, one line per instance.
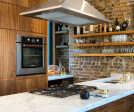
(84, 94)
(99, 95)
(103, 91)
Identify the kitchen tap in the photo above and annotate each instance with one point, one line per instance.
(123, 77)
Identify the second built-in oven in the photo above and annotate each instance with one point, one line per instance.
(31, 55)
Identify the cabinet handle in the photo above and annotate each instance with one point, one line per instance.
(6, 79)
(32, 89)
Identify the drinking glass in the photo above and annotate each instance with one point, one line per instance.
(117, 50)
(113, 38)
(133, 50)
(119, 38)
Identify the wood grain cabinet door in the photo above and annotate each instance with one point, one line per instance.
(39, 26)
(28, 3)
(24, 23)
(23, 3)
(7, 87)
(7, 53)
(130, 103)
(33, 3)
(10, 1)
(115, 106)
(24, 85)
(30, 24)
(8, 16)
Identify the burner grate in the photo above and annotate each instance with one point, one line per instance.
(63, 91)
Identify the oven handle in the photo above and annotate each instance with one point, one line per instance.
(38, 46)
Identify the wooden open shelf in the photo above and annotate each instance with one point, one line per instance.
(104, 44)
(61, 46)
(61, 32)
(33, 55)
(112, 54)
(104, 34)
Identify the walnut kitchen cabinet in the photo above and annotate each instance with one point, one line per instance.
(11, 23)
(28, 84)
(10, 1)
(30, 24)
(36, 2)
(115, 106)
(7, 61)
(7, 86)
(7, 53)
(8, 16)
(23, 3)
(39, 26)
(29, 3)
(24, 23)
(130, 103)
(125, 104)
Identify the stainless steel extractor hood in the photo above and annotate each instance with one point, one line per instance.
(74, 12)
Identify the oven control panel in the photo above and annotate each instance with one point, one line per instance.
(30, 40)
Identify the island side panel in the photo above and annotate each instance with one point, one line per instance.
(122, 105)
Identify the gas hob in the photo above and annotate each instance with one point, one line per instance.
(63, 91)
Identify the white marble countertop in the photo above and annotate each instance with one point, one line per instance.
(59, 76)
(26, 102)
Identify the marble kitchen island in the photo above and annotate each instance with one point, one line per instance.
(27, 102)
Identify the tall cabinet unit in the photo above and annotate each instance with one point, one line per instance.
(11, 23)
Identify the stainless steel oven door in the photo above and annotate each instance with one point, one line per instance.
(29, 63)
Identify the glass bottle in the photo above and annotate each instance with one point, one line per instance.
(105, 28)
(81, 30)
(58, 27)
(100, 28)
(124, 25)
(78, 30)
(96, 29)
(129, 25)
(84, 29)
(62, 70)
(91, 28)
(117, 25)
(75, 30)
(110, 28)
(63, 28)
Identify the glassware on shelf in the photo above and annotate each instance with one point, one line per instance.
(110, 28)
(63, 27)
(91, 29)
(78, 30)
(77, 41)
(129, 28)
(108, 51)
(106, 40)
(119, 38)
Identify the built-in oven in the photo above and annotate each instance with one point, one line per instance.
(31, 55)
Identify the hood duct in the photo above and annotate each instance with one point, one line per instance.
(74, 12)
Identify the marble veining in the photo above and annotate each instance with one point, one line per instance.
(26, 102)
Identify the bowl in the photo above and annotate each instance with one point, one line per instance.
(103, 91)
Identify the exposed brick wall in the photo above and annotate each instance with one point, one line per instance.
(89, 68)
(113, 9)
